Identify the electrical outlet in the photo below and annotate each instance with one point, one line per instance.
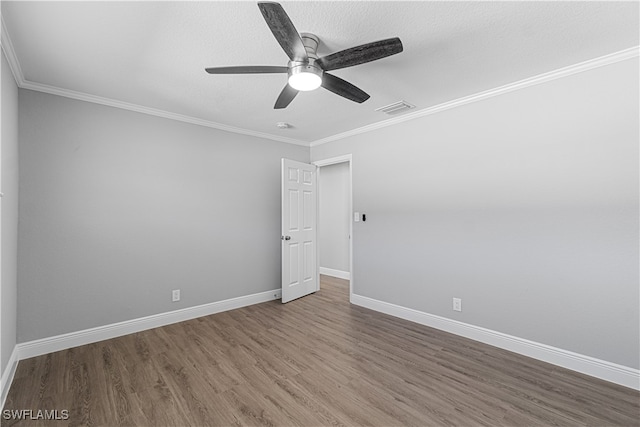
(175, 295)
(457, 304)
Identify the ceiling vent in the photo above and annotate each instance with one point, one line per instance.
(396, 108)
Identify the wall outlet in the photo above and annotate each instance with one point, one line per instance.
(175, 295)
(457, 304)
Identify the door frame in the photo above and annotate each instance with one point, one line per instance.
(346, 158)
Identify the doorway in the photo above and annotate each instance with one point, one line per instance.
(335, 227)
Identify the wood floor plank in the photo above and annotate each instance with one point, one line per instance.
(316, 361)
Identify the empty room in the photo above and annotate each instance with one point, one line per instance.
(314, 213)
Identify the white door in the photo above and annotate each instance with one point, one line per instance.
(299, 231)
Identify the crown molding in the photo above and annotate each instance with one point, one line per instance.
(10, 54)
(154, 112)
(602, 61)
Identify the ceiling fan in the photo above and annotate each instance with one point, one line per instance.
(306, 71)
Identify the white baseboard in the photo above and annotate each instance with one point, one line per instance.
(100, 333)
(335, 273)
(7, 376)
(623, 375)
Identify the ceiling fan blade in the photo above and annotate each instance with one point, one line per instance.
(361, 54)
(247, 69)
(283, 30)
(285, 98)
(343, 88)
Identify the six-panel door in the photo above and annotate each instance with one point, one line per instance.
(299, 231)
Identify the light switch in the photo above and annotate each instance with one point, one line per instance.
(356, 216)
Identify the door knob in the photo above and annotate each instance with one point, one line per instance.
(286, 237)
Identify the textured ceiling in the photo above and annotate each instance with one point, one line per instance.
(153, 54)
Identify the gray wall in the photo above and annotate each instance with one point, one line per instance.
(524, 205)
(9, 214)
(118, 208)
(334, 217)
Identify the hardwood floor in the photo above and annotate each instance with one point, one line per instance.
(315, 361)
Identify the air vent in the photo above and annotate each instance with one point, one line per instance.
(396, 108)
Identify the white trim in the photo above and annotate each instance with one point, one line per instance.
(340, 274)
(531, 81)
(345, 158)
(10, 369)
(333, 160)
(7, 376)
(100, 333)
(623, 375)
(10, 54)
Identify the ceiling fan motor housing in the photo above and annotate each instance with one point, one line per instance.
(310, 42)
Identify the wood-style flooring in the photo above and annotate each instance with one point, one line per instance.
(316, 361)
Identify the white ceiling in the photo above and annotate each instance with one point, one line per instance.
(153, 54)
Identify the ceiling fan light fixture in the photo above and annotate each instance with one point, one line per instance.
(305, 76)
(305, 81)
